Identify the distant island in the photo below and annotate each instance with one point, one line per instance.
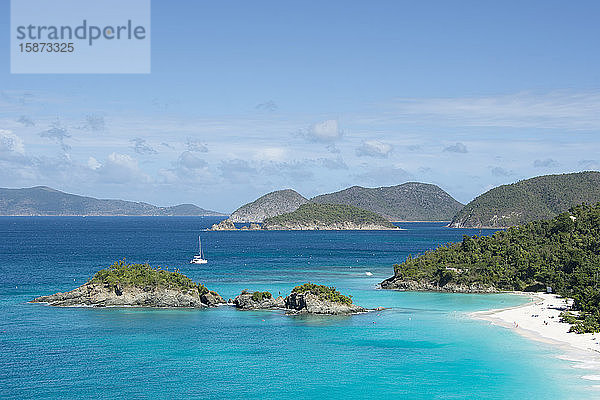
(532, 199)
(562, 253)
(411, 201)
(45, 201)
(136, 285)
(308, 298)
(312, 216)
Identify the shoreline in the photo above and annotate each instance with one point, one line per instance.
(539, 320)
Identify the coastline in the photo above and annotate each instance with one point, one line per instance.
(539, 320)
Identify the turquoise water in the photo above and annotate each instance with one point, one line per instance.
(424, 347)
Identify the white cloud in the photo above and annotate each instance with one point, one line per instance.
(11, 143)
(57, 133)
(267, 106)
(272, 154)
(94, 122)
(501, 172)
(546, 163)
(374, 148)
(195, 145)
(190, 161)
(121, 168)
(93, 163)
(325, 131)
(457, 148)
(140, 146)
(26, 121)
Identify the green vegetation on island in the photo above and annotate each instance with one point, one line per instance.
(327, 216)
(328, 293)
(411, 201)
(143, 275)
(562, 253)
(532, 199)
(260, 296)
(135, 285)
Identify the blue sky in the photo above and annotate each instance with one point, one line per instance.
(248, 97)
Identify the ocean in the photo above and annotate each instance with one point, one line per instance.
(423, 347)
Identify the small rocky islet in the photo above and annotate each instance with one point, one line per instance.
(141, 285)
(308, 298)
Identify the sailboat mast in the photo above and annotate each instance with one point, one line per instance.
(200, 247)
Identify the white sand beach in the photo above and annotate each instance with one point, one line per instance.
(539, 320)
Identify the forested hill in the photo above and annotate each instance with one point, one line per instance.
(42, 200)
(563, 253)
(411, 201)
(529, 200)
(314, 216)
(271, 204)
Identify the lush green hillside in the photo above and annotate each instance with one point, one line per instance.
(269, 205)
(42, 200)
(563, 253)
(412, 201)
(328, 293)
(143, 275)
(327, 216)
(529, 200)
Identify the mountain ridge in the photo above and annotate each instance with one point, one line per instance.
(532, 199)
(269, 205)
(409, 201)
(47, 201)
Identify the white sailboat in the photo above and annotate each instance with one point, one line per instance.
(199, 258)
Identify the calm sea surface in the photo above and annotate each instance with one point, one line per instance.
(424, 347)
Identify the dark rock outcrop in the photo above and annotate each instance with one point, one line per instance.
(225, 225)
(252, 227)
(424, 286)
(101, 295)
(249, 301)
(308, 303)
(295, 303)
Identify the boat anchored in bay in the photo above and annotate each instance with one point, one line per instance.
(199, 258)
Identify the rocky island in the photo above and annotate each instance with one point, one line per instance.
(314, 216)
(258, 301)
(308, 298)
(136, 285)
(228, 225)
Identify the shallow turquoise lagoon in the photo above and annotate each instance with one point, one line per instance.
(423, 347)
